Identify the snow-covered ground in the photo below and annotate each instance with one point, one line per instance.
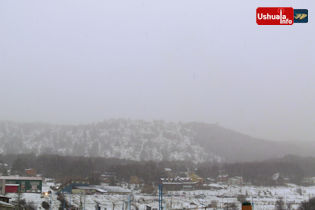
(262, 197)
(37, 199)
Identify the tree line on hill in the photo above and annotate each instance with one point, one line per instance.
(59, 167)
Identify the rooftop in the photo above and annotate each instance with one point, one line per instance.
(12, 185)
(3, 196)
(91, 188)
(6, 204)
(20, 178)
(178, 183)
(112, 189)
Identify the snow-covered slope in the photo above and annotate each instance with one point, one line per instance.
(137, 140)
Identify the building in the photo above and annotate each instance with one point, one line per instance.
(236, 180)
(213, 186)
(223, 178)
(72, 184)
(247, 206)
(4, 203)
(209, 180)
(12, 188)
(108, 177)
(30, 172)
(308, 181)
(14, 184)
(5, 199)
(115, 190)
(169, 172)
(100, 189)
(87, 190)
(179, 183)
(6, 206)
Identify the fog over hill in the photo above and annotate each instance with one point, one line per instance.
(141, 140)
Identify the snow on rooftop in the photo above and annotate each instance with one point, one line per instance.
(6, 204)
(115, 189)
(20, 178)
(12, 185)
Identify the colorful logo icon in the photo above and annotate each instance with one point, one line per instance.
(300, 16)
(275, 15)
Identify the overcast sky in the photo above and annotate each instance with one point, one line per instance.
(79, 61)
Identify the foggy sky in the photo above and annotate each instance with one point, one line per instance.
(80, 61)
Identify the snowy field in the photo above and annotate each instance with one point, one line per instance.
(262, 197)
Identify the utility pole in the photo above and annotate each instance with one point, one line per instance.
(19, 198)
(160, 196)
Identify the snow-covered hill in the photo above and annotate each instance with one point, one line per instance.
(137, 140)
